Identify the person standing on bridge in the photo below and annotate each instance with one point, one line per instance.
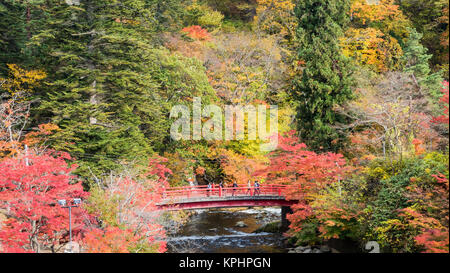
(249, 187)
(257, 187)
(208, 189)
(235, 185)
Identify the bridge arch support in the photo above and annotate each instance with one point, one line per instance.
(284, 221)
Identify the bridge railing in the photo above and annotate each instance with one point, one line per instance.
(203, 191)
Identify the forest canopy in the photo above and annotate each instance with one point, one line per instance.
(361, 87)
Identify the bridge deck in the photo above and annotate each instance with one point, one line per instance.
(196, 197)
(222, 198)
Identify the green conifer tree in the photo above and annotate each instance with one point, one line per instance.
(416, 62)
(17, 18)
(326, 78)
(110, 87)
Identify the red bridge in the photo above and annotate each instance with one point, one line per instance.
(200, 197)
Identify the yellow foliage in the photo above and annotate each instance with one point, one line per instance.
(384, 13)
(14, 110)
(207, 16)
(240, 168)
(369, 46)
(21, 82)
(276, 16)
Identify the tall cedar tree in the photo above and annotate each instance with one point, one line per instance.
(326, 76)
(97, 62)
(111, 88)
(12, 33)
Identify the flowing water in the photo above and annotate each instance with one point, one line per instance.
(215, 231)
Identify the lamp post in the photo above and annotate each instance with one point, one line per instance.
(75, 203)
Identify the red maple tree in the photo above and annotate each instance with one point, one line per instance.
(305, 171)
(29, 190)
(432, 220)
(135, 228)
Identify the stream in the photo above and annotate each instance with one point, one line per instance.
(216, 231)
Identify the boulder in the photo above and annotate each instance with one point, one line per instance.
(273, 227)
(240, 224)
(301, 248)
(73, 247)
(325, 249)
(308, 250)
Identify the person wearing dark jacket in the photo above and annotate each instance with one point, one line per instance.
(257, 188)
(235, 185)
(221, 187)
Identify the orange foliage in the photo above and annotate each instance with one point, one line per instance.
(434, 241)
(371, 47)
(200, 170)
(238, 167)
(196, 33)
(15, 107)
(382, 10)
(307, 172)
(110, 240)
(44, 130)
(417, 146)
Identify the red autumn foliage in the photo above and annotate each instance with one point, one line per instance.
(158, 170)
(28, 196)
(115, 240)
(433, 222)
(307, 172)
(136, 227)
(110, 240)
(434, 241)
(197, 33)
